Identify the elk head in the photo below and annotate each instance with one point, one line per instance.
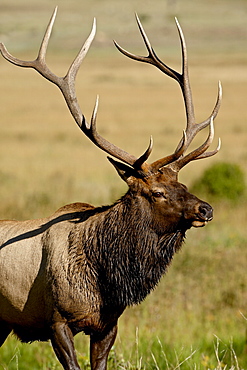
(156, 182)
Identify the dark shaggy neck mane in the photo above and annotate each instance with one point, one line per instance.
(126, 256)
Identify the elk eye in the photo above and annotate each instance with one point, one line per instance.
(158, 194)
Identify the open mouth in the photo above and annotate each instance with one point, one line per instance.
(198, 223)
(201, 223)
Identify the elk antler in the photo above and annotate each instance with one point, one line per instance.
(177, 160)
(67, 86)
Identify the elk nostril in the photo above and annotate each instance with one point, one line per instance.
(206, 211)
(203, 211)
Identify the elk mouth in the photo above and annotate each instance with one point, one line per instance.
(200, 223)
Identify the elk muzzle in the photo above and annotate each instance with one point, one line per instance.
(203, 214)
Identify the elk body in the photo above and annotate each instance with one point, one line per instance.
(80, 268)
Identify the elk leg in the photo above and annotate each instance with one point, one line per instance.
(63, 344)
(100, 347)
(5, 330)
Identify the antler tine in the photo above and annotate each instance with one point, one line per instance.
(152, 58)
(199, 152)
(46, 38)
(142, 159)
(90, 130)
(74, 68)
(67, 86)
(196, 127)
(39, 63)
(185, 85)
(215, 109)
(210, 154)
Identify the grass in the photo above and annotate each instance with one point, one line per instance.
(196, 318)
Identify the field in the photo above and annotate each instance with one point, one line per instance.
(196, 318)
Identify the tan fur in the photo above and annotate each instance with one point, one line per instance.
(28, 262)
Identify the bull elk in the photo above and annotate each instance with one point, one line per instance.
(77, 270)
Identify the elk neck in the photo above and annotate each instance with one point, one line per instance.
(125, 256)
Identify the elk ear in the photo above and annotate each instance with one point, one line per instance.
(124, 171)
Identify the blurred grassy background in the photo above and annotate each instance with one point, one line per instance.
(47, 162)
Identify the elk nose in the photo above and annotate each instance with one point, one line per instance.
(206, 211)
